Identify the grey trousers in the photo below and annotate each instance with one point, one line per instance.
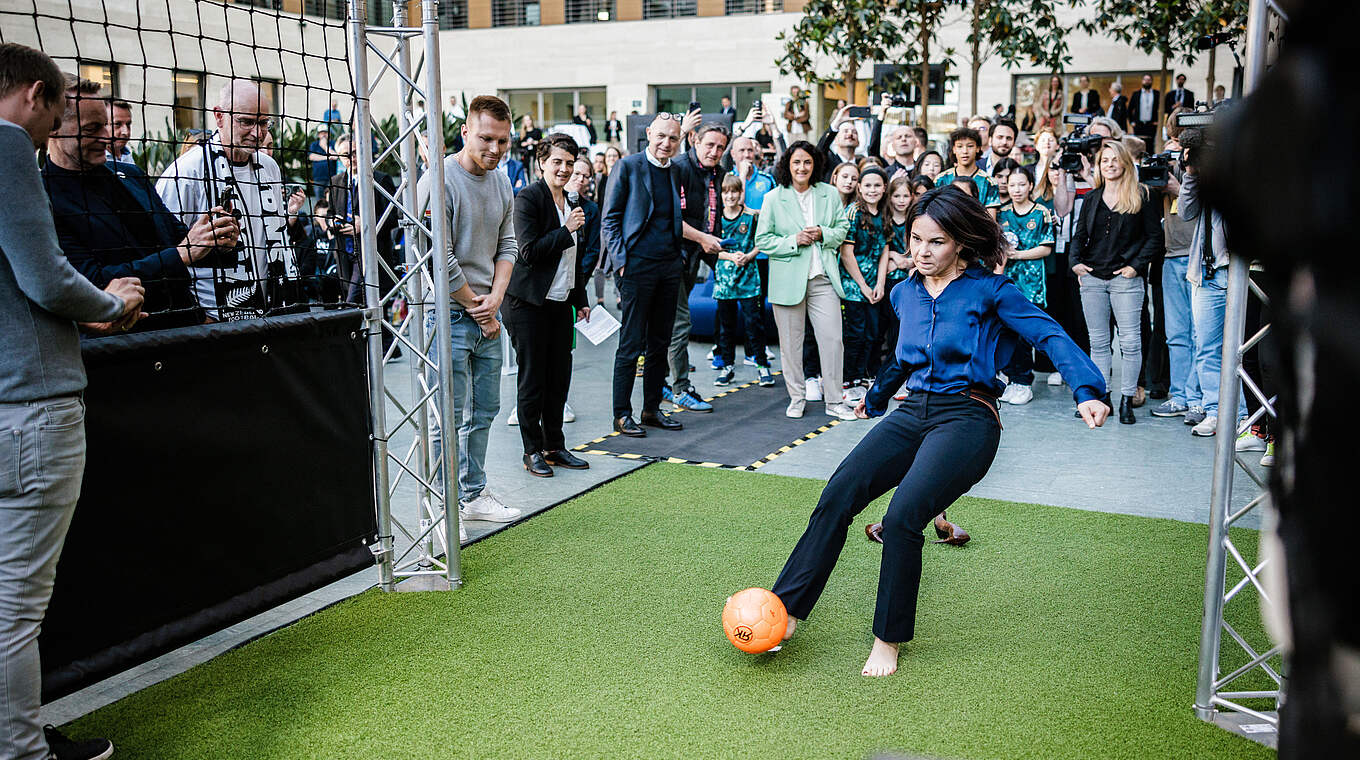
(1124, 297)
(823, 307)
(679, 351)
(42, 461)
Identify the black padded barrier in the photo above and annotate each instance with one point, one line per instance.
(228, 471)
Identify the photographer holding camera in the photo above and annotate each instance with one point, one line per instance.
(1207, 271)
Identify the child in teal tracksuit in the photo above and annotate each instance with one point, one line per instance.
(736, 287)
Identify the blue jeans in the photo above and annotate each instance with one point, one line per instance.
(42, 462)
(476, 398)
(1209, 302)
(1179, 324)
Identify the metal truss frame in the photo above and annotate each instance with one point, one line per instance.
(1214, 693)
(430, 558)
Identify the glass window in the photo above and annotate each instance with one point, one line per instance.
(326, 8)
(669, 8)
(523, 103)
(673, 99)
(558, 107)
(594, 102)
(747, 95)
(189, 100)
(589, 11)
(453, 14)
(102, 73)
(710, 97)
(514, 13)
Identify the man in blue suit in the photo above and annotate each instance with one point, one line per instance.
(642, 231)
(111, 224)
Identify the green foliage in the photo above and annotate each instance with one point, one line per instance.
(155, 150)
(1152, 26)
(849, 32)
(291, 142)
(1210, 18)
(1022, 32)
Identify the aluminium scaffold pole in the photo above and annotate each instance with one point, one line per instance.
(425, 273)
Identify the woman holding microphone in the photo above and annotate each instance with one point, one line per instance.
(941, 440)
(546, 296)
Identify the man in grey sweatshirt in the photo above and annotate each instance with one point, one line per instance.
(42, 414)
(478, 205)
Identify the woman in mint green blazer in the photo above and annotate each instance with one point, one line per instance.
(801, 228)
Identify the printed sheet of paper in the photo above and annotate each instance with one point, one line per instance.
(602, 324)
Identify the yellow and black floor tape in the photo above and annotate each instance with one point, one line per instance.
(587, 447)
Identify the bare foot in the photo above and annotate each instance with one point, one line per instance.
(882, 659)
(788, 632)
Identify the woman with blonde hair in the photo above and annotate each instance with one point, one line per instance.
(1117, 235)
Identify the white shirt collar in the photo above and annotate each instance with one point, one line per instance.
(654, 161)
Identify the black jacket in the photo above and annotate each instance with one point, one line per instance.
(111, 223)
(1135, 109)
(1136, 239)
(542, 239)
(1119, 111)
(1091, 104)
(694, 200)
(1187, 99)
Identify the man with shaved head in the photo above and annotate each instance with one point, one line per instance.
(642, 230)
(231, 172)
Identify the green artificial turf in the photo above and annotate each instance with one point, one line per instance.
(593, 631)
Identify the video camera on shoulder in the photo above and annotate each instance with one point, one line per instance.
(1155, 168)
(1077, 143)
(1196, 130)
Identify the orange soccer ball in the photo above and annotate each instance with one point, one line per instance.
(754, 620)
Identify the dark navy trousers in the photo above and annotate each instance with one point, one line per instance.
(932, 448)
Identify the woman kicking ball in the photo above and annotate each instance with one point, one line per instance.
(941, 440)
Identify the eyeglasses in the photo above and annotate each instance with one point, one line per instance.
(677, 116)
(249, 124)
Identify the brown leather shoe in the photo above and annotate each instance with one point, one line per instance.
(950, 533)
(1140, 397)
(875, 532)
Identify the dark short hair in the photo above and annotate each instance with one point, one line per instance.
(964, 133)
(1004, 164)
(491, 106)
(921, 183)
(120, 103)
(784, 177)
(964, 185)
(21, 66)
(705, 129)
(1025, 170)
(556, 141)
(963, 218)
(1008, 124)
(77, 89)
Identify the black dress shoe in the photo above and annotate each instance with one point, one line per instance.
(537, 465)
(1126, 415)
(564, 458)
(627, 426)
(661, 420)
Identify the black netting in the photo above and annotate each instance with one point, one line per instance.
(192, 114)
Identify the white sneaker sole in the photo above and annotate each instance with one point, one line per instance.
(488, 517)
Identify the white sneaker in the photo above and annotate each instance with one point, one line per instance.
(1006, 394)
(462, 532)
(567, 414)
(1250, 441)
(513, 419)
(1207, 428)
(855, 394)
(769, 355)
(1055, 378)
(841, 412)
(1019, 394)
(814, 389)
(710, 354)
(795, 409)
(489, 508)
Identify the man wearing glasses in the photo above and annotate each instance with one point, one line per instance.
(230, 171)
(343, 196)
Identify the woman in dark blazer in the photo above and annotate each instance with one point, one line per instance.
(545, 298)
(1117, 235)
